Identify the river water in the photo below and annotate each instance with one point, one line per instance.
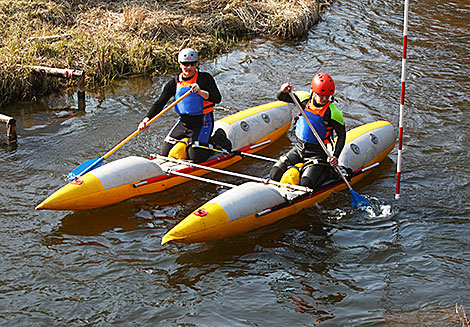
(326, 266)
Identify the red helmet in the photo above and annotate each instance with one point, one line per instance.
(323, 84)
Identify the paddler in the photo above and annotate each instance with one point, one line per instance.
(196, 121)
(325, 117)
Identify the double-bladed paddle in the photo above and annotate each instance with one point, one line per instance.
(96, 162)
(357, 200)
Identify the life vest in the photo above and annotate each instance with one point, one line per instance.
(315, 115)
(193, 104)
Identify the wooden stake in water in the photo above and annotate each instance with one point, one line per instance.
(402, 99)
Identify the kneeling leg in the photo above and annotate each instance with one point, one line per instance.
(198, 155)
(314, 176)
(289, 159)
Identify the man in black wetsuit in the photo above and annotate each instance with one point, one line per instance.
(196, 120)
(325, 118)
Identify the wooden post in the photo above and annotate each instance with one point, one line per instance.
(11, 128)
(79, 75)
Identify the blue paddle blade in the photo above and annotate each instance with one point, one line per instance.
(84, 168)
(358, 201)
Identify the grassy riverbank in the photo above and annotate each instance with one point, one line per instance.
(113, 39)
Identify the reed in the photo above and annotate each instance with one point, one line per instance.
(114, 39)
(460, 311)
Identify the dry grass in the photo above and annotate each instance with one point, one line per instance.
(281, 18)
(112, 39)
(460, 311)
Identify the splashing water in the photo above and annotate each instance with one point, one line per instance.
(377, 209)
(382, 211)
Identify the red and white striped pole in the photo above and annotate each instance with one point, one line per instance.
(402, 99)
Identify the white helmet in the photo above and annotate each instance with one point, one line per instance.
(188, 55)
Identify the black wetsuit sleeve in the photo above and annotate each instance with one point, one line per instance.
(168, 92)
(340, 131)
(285, 96)
(207, 83)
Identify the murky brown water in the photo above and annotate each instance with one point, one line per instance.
(407, 268)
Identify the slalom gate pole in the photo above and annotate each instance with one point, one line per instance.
(402, 99)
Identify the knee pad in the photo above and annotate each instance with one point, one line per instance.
(292, 175)
(178, 151)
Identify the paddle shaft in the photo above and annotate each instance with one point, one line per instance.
(127, 139)
(320, 141)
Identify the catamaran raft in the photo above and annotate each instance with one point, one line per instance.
(242, 208)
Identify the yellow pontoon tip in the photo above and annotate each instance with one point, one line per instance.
(165, 239)
(56, 200)
(41, 205)
(168, 237)
(84, 193)
(52, 202)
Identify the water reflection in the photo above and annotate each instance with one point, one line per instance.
(9, 147)
(288, 256)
